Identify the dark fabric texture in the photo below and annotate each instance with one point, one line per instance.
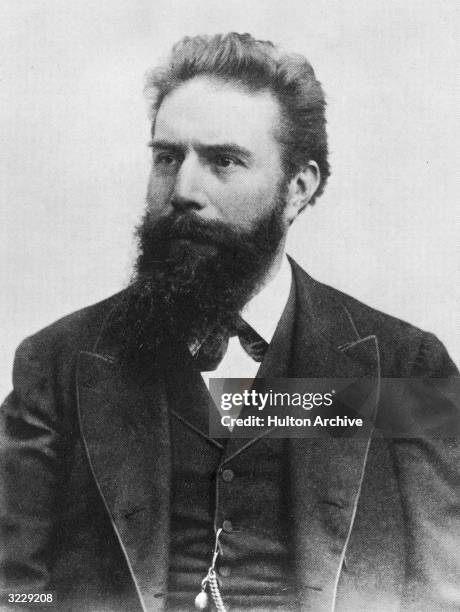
(254, 564)
(86, 471)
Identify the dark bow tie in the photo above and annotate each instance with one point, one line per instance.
(214, 347)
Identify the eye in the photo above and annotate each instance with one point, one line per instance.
(225, 161)
(165, 158)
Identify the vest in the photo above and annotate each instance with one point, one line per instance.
(238, 485)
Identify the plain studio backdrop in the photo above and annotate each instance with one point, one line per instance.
(74, 159)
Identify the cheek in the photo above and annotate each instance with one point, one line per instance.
(158, 193)
(246, 204)
(236, 206)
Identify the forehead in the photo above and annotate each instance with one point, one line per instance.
(210, 111)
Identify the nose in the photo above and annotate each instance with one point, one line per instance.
(188, 188)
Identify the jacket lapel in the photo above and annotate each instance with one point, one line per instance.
(327, 472)
(124, 425)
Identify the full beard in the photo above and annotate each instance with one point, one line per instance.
(193, 276)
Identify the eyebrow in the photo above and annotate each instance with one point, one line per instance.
(160, 145)
(227, 148)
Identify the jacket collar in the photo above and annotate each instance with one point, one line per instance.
(327, 340)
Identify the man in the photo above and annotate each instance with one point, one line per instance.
(116, 495)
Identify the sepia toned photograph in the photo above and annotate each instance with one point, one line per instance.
(228, 373)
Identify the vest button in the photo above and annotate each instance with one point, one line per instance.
(228, 475)
(227, 526)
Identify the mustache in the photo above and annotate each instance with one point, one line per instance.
(177, 226)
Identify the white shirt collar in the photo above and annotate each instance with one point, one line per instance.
(264, 310)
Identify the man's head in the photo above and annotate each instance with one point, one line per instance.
(254, 66)
(239, 150)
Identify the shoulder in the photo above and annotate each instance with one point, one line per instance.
(404, 348)
(78, 331)
(44, 364)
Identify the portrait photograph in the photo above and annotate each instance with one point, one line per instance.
(231, 288)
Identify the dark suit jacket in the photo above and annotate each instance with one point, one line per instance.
(86, 471)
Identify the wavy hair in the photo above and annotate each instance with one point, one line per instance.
(256, 65)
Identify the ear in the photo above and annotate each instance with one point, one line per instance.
(301, 189)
